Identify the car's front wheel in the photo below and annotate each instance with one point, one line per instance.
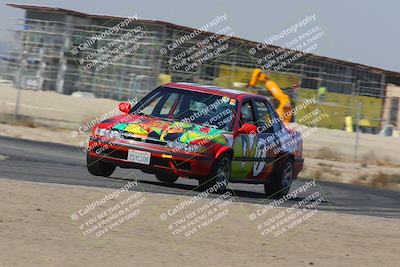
(167, 178)
(99, 168)
(219, 175)
(279, 185)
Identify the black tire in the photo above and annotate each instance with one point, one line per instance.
(280, 183)
(167, 178)
(220, 174)
(97, 167)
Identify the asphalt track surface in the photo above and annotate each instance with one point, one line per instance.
(33, 161)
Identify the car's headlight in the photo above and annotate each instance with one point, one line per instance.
(195, 149)
(102, 132)
(115, 134)
(174, 145)
(108, 133)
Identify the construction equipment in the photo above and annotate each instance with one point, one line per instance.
(284, 100)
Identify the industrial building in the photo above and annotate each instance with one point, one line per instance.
(58, 49)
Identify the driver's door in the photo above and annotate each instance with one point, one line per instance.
(267, 146)
(250, 158)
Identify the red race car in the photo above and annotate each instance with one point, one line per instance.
(208, 133)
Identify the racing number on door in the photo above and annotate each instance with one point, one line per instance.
(265, 138)
(260, 156)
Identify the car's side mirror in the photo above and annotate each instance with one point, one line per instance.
(247, 128)
(125, 107)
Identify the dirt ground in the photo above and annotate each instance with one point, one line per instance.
(51, 105)
(36, 229)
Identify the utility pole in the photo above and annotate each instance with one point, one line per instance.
(358, 117)
(19, 82)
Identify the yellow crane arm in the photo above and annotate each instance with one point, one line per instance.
(276, 91)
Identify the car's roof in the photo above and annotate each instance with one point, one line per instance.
(209, 89)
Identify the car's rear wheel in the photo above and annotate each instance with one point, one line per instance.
(279, 185)
(219, 175)
(97, 167)
(167, 178)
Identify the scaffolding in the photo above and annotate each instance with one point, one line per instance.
(42, 59)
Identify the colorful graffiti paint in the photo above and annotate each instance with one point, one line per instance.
(164, 130)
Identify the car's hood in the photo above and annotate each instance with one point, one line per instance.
(165, 130)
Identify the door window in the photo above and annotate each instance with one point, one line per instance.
(246, 114)
(264, 117)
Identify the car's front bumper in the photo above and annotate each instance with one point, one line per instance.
(163, 160)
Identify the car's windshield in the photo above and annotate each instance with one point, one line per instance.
(188, 106)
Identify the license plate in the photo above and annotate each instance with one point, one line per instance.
(138, 156)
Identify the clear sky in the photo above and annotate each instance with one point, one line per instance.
(366, 32)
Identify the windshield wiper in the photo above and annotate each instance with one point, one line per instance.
(157, 117)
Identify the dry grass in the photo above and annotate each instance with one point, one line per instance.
(21, 121)
(387, 162)
(325, 171)
(371, 159)
(379, 179)
(322, 164)
(362, 177)
(331, 171)
(357, 182)
(328, 153)
(364, 163)
(316, 174)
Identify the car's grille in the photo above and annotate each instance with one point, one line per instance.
(119, 154)
(129, 136)
(159, 161)
(179, 164)
(155, 141)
